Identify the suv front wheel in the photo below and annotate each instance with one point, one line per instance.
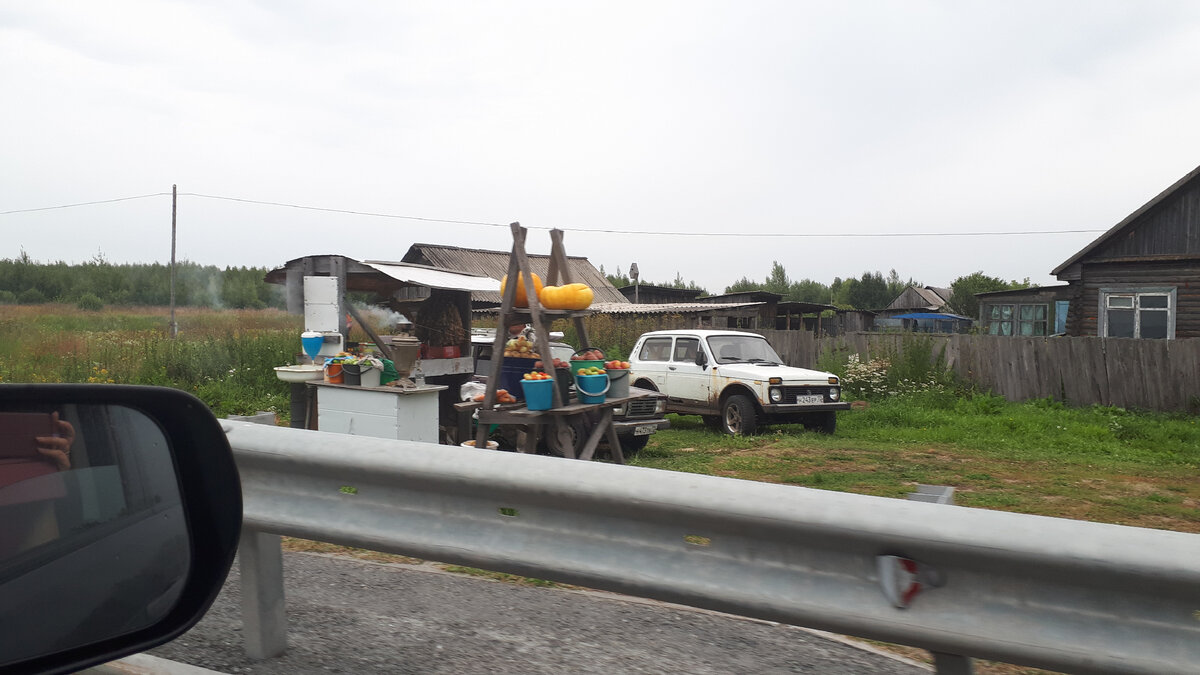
(738, 416)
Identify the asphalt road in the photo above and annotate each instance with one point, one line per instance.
(347, 615)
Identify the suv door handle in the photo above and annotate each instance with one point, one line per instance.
(670, 367)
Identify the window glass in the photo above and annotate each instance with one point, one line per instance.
(1006, 311)
(1120, 322)
(1120, 301)
(656, 349)
(735, 348)
(995, 313)
(1153, 324)
(1151, 319)
(1033, 320)
(1153, 301)
(685, 349)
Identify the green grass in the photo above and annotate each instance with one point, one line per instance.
(1097, 463)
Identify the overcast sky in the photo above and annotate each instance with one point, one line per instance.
(712, 118)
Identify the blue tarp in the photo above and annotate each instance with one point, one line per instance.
(930, 315)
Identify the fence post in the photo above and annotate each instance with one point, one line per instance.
(264, 613)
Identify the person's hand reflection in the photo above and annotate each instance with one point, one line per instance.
(57, 448)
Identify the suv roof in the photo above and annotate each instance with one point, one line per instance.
(703, 333)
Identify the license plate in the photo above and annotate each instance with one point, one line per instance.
(810, 399)
(644, 429)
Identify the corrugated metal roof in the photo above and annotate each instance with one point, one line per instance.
(434, 278)
(495, 264)
(671, 308)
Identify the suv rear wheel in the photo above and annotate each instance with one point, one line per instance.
(738, 416)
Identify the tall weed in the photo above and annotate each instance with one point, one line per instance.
(227, 359)
(913, 368)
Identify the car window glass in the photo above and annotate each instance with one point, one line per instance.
(738, 348)
(93, 543)
(655, 349)
(685, 349)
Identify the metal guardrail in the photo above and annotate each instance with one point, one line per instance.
(1046, 592)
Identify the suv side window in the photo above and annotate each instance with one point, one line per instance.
(685, 349)
(656, 349)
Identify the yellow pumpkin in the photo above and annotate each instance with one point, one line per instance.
(571, 296)
(521, 300)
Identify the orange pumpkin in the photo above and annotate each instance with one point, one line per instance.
(571, 296)
(521, 300)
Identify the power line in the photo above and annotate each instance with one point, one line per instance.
(71, 206)
(345, 211)
(759, 235)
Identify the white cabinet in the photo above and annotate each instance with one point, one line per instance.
(379, 412)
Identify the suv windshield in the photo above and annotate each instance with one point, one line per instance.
(742, 348)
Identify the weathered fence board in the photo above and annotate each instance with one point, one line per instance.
(1151, 374)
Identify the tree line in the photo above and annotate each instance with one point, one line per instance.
(98, 282)
(870, 290)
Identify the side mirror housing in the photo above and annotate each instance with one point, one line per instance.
(701, 358)
(121, 511)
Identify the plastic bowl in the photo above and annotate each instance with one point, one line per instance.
(299, 373)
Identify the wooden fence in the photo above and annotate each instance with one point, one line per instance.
(1159, 375)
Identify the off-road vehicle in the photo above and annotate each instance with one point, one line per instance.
(734, 380)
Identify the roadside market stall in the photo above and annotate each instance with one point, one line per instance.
(430, 351)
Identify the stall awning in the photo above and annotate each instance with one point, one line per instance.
(421, 275)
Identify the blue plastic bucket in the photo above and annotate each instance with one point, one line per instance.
(539, 394)
(591, 388)
(512, 373)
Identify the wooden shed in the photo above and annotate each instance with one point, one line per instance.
(1029, 312)
(649, 294)
(1141, 279)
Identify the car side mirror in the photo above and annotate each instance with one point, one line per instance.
(701, 358)
(121, 511)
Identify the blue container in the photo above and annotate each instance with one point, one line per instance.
(591, 388)
(539, 394)
(312, 342)
(512, 374)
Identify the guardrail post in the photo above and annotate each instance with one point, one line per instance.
(952, 664)
(943, 664)
(264, 613)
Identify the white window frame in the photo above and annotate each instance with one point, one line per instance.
(1170, 292)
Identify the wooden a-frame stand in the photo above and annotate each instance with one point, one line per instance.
(566, 421)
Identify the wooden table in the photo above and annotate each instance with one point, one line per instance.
(564, 420)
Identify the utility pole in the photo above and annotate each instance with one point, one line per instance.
(637, 285)
(174, 328)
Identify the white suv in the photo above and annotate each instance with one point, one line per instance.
(733, 380)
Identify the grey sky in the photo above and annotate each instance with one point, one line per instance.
(707, 117)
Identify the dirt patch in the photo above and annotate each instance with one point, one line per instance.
(308, 546)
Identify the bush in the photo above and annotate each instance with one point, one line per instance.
(7, 298)
(31, 296)
(89, 302)
(911, 369)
